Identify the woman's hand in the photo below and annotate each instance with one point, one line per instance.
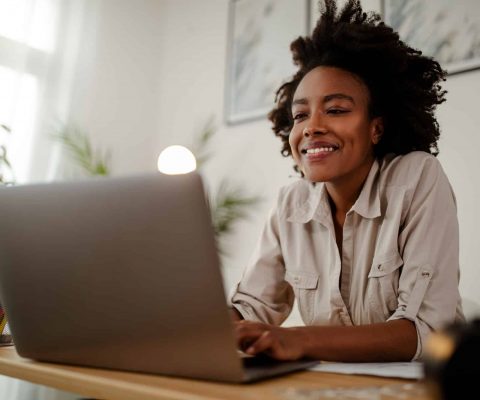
(278, 343)
(235, 315)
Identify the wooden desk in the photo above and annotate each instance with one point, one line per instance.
(116, 385)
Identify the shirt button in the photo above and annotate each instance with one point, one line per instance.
(296, 279)
(380, 267)
(425, 274)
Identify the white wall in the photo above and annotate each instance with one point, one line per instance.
(116, 94)
(460, 121)
(159, 75)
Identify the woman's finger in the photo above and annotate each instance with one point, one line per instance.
(264, 344)
(246, 334)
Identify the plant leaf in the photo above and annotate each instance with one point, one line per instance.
(5, 161)
(228, 206)
(6, 128)
(79, 146)
(202, 141)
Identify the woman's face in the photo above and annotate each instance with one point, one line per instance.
(333, 136)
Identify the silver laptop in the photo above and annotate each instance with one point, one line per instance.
(120, 273)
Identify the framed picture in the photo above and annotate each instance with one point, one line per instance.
(449, 32)
(259, 58)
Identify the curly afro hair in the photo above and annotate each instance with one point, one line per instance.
(404, 85)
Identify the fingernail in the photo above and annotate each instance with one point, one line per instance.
(250, 350)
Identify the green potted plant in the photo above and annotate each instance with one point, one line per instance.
(5, 165)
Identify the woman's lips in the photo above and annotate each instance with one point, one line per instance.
(318, 154)
(319, 151)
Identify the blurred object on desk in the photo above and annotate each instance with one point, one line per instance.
(452, 361)
(5, 336)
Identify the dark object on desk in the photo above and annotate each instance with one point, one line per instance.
(6, 340)
(120, 273)
(5, 337)
(452, 361)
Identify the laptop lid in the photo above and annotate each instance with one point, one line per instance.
(119, 273)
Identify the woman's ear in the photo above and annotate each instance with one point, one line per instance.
(377, 129)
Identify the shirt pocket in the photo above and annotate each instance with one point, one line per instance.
(383, 281)
(305, 286)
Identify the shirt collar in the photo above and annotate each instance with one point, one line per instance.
(368, 202)
(317, 206)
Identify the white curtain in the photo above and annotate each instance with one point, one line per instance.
(39, 41)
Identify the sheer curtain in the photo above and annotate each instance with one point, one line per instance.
(39, 42)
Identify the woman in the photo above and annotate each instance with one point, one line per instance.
(367, 240)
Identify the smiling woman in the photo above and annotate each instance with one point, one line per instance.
(367, 240)
(330, 100)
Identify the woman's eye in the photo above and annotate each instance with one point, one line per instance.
(336, 111)
(299, 116)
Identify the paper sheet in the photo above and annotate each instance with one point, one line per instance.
(406, 370)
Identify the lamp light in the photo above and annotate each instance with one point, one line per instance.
(175, 160)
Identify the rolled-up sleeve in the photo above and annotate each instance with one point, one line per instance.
(428, 241)
(263, 294)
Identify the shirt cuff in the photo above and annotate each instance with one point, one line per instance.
(423, 331)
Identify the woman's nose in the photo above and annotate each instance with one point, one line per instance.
(308, 131)
(314, 129)
(315, 125)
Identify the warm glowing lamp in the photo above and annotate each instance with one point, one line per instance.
(175, 160)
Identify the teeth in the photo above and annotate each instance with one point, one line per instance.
(320, 150)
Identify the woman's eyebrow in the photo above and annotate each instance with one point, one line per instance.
(340, 96)
(301, 101)
(326, 99)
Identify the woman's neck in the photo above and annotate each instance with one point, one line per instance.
(344, 192)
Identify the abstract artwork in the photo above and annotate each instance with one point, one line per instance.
(259, 58)
(447, 30)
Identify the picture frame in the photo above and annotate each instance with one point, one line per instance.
(449, 34)
(258, 55)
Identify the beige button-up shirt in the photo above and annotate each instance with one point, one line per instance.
(400, 253)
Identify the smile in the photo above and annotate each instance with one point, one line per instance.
(319, 150)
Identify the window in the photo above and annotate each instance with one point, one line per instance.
(30, 71)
